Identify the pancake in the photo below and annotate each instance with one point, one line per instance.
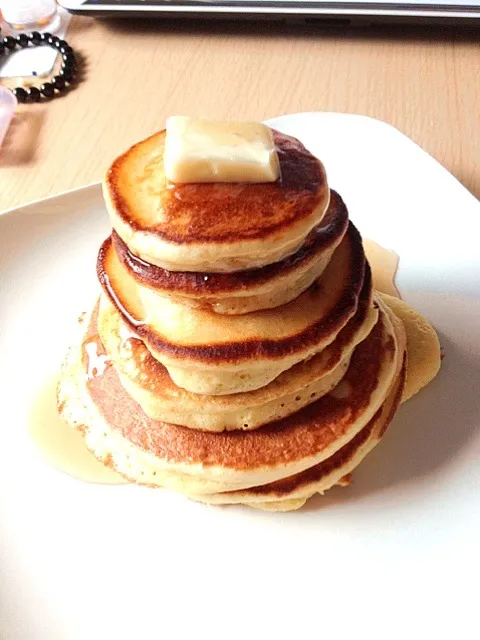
(209, 353)
(423, 347)
(279, 506)
(245, 291)
(195, 462)
(292, 492)
(147, 381)
(214, 227)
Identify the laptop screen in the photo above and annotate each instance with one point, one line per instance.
(466, 4)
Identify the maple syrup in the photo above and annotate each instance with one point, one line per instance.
(62, 446)
(384, 264)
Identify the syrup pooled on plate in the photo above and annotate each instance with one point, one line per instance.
(64, 448)
(60, 445)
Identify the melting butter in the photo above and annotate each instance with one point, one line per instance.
(201, 150)
(97, 363)
(384, 264)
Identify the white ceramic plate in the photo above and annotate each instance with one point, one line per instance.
(396, 555)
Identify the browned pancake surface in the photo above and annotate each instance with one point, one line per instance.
(333, 321)
(212, 213)
(286, 486)
(154, 377)
(332, 227)
(304, 434)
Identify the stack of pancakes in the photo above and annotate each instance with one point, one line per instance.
(238, 353)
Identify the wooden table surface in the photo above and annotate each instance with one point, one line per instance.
(426, 83)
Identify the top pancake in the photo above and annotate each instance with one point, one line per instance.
(252, 289)
(216, 227)
(329, 232)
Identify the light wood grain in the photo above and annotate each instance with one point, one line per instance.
(135, 75)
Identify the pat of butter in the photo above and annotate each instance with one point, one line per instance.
(200, 150)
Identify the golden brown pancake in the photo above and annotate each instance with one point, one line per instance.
(148, 382)
(238, 354)
(196, 462)
(205, 352)
(326, 474)
(214, 227)
(252, 289)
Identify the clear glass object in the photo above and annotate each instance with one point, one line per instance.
(8, 103)
(28, 14)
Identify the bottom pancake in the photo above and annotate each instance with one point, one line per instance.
(280, 506)
(193, 462)
(423, 357)
(283, 494)
(292, 492)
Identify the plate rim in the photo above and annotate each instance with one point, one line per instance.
(341, 114)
